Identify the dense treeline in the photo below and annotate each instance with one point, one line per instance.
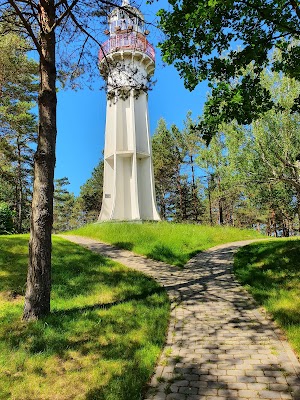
(249, 176)
(18, 130)
(18, 139)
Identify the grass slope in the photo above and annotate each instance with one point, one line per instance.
(102, 339)
(271, 273)
(172, 243)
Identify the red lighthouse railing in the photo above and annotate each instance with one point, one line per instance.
(127, 41)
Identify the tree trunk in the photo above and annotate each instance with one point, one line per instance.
(221, 217)
(37, 297)
(298, 209)
(195, 208)
(20, 189)
(180, 197)
(209, 202)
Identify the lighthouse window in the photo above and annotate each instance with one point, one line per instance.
(123, 24)
(113, 25)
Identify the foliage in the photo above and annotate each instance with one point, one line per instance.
(18, 128)
(172, 243)
(218, 41)
(6, 219)
(178, 192)
(90, 196)
(101, 341)
(63, 207)
(166, 164)
(247, 177)
(18, 78)
(271, 273)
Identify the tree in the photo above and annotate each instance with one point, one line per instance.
(177, 187)
(167, 162)
(218, 41)
(20, 138)
(277, 144)
(75, 24)
(18, 83)
(6, 219)
(63, 207)
(90, 196)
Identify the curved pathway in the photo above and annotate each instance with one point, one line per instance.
(220, 345)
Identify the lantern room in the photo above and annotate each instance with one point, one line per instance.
(126, 31)
(125, 19)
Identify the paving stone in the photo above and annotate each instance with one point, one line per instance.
(223, 346)
(270, 394)
(188, 390)
(175, 396)
(251, 394)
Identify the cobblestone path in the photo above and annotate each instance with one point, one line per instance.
(220, 345)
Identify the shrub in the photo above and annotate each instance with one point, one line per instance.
(6, 219)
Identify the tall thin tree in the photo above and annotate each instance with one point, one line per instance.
(76, 24)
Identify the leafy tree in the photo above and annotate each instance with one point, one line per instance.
(177, 187)
(18, 76)
(63, 206)
(190, 143)
(20, 138)
(168, 158)
(6, 219)
(17, 124)
(218, 41)
(90, 196)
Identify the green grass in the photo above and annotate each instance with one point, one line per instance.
(102, 339)
(271, 273)
(172, 243)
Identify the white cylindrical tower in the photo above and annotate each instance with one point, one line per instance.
(127, 61)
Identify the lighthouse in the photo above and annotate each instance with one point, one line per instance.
(127, 62)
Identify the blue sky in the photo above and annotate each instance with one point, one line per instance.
(81, 114)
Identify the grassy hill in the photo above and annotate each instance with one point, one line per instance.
(172, 243)
(102, 339)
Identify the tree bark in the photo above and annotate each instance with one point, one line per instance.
(37, 297)
(179, 186)
(221, 217)
(195, 208)
(20, 189)
(209, 201)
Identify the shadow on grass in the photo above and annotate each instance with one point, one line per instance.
(105, 339)
(73, 312)
(271, 271)
(13, 264)
(124, 387)
(268, 265)
(123, 245)
(165, 254)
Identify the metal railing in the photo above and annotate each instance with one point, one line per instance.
(127, 41)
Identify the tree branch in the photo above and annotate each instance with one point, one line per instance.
(80, 27)
(266, 18)
(64, 14)
(295, 7)
(26, 25)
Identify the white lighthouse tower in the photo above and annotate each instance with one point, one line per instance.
(127, 61)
